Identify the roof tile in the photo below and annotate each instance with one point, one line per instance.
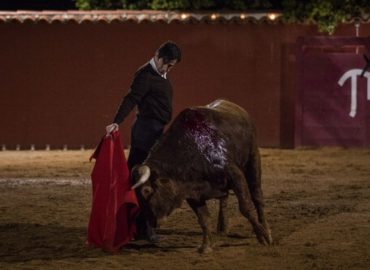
(136, 16)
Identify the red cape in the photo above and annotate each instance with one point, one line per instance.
(114, 204)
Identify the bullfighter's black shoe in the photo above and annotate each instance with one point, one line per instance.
(148, 233)
(152, 236)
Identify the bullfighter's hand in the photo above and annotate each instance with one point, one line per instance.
(110, 128)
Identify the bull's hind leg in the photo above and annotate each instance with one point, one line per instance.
(253, 174)
(246, 205)
(201, 210)
(222, 224)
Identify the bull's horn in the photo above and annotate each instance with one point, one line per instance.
(144, 172)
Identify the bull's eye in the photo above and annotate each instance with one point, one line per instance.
(146, 191)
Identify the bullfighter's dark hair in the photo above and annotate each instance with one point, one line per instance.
(169, 51)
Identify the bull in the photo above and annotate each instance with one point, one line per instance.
(207, 151)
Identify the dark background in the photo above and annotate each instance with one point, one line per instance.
(37, 4)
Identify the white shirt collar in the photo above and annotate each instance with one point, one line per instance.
(152, 63)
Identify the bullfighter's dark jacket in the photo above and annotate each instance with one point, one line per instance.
(151, 93)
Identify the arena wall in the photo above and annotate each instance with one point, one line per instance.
(61, 82)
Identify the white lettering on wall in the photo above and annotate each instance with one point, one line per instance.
(353, 74)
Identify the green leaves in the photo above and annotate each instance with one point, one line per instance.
(113, 4)
(177, 4)
(83, 4)
(326, 14)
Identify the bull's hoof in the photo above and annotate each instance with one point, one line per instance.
(222, 230)
(268, 232)
(204, 249)
(263, 235)
(269, 237)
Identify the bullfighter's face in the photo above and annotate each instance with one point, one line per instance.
(162, 66)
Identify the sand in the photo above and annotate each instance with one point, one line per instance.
(317, 203)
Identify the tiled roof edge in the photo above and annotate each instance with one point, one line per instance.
(137, 16)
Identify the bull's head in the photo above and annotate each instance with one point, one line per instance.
(158, 196)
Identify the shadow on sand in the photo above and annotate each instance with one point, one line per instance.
(24, 242)
(21, 242)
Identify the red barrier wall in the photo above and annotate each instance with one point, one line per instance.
(61, 83)
(333, 99)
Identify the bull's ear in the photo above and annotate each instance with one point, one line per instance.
(146, 191)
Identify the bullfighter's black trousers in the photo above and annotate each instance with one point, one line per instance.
(145, 132)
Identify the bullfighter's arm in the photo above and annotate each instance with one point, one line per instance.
(138, 89)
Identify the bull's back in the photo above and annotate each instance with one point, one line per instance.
(235, 121)
(227, 107)
(231, 117)
(232, 123)
(204, 140)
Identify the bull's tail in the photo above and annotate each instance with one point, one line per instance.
(253, 174)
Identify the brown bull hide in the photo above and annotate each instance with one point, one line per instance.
(205, 152)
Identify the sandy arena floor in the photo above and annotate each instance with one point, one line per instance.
(317, 202)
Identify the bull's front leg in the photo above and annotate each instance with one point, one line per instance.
(201, 210)
(222, 224)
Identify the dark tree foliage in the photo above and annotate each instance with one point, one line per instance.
(325, 13)
(37, 4)
(179, 4)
